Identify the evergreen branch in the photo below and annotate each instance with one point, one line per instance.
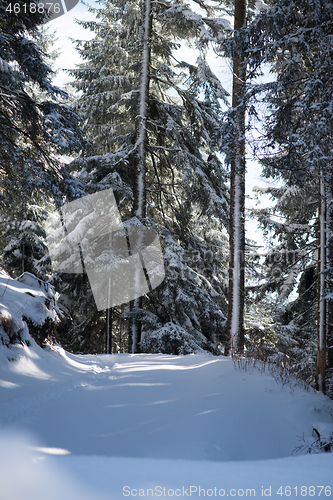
(154, 146)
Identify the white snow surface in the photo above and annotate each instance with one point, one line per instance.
(110, 426)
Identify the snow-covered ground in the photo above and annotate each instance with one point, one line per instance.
(117, 426)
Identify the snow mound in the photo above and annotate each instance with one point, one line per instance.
(25, 301)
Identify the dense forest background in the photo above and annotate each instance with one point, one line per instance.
(172, 144)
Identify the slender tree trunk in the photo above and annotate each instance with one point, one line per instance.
(235, 327)
(329, 243)
(321, 348)
(141, 140)
(325, 282)
(22, 256)
(109, 346)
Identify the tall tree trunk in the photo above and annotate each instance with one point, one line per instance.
(329, 243)
(321, 347)
(108, 346)
(235, 327)
(141, 141)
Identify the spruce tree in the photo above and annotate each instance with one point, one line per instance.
(185, 181)
(36, 126)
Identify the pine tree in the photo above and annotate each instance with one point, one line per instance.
(185, 181)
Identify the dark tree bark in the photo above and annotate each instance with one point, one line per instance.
(329, 304)
(108, 345)
(322, 264)
(325, 282)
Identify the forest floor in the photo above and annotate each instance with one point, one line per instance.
(111, 426)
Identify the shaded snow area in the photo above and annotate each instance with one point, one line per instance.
(116, 426)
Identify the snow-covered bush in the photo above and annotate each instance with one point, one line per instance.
(170, 339)
(322, 432)
(27, 306)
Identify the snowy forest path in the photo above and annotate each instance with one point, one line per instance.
(196, 407)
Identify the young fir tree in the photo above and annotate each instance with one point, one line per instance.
(289, 269)
(296, 38)
(183, 182)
